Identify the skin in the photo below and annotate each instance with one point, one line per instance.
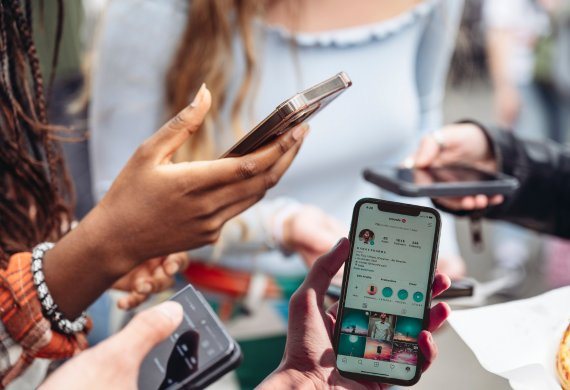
(156, 208)
(308, 361)
(466, 144)
(312, 234)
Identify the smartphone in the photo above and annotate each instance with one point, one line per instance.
(198, 353)
(386, 291)
(290, 113)
(454, 180)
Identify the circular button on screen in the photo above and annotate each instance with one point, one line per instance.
(418, 296)
(387, 292)
(402, 294)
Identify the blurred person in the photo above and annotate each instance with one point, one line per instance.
(513, 28)
(542, 168)
(396, 53)
(308, 362)
(255, 54)
(154, 208)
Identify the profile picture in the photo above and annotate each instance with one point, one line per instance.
(366, 236)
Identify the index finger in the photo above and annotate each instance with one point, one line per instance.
(228, 170)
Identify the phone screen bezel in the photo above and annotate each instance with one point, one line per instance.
(404, 209)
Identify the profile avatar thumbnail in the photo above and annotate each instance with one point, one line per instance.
(366, 236)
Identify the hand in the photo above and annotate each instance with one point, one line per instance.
(115, 363)
(150, 277)
(156, 207)
(465, 144)
(309, 359)
(310, 232)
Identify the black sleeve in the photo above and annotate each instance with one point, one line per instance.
(542, 203)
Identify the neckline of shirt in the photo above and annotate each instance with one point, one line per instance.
(351, 36)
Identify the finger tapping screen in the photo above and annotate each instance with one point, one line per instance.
(386, 293)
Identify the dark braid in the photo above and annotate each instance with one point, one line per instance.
(35, 188)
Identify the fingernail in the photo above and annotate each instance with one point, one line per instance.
(299, 132)
(144, 288)
(199, 95)
(171, 310)
(171, 268)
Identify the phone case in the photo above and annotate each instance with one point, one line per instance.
(504, 185)
(198, 352)
(291, 113)
(396, 208)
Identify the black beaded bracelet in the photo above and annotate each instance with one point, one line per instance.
(49, 307)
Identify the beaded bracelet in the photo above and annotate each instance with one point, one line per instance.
(50, 308)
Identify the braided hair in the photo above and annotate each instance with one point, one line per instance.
(36, 195)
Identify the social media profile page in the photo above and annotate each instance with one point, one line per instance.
(386, 290)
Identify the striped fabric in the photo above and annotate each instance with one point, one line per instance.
(24, 332)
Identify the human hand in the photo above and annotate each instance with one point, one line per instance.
(156, 207)
(115, 363)
(459, 143)
(311, 233)
(309, 359)
(150, 277)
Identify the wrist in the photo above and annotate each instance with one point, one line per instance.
(283, 226)
(287, 378)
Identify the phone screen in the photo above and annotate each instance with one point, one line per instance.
(196, 345)
(386, 293)
(442, 175)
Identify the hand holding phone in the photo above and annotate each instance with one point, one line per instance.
(386, 292)
(198, 352)
(309, 359)
(464, 143)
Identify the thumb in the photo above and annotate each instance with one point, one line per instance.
(173, 133)
(149, 328)
(427, 152)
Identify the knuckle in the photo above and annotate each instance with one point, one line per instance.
(284, 145)
(271, 180)
(144, 151)
(177, 122)
(247, 168)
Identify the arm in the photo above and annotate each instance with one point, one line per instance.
(542, 202)
(500, 41)
(543, 169)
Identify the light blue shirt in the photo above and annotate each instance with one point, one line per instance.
(398, 68)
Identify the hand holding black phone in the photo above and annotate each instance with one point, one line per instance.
(386, 291)
(197, 354)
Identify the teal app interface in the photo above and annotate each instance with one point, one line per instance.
(386, 293)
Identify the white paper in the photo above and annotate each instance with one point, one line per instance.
(518, 340)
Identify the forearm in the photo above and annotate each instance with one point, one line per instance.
(286, 379)
(499, 44)
(543, 170)
(83, 264)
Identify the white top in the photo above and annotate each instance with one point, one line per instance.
(398, 68)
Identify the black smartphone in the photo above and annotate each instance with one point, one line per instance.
(386, 291)
(198, 353)
(455, 180)
(292, 112)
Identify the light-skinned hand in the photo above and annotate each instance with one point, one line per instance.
(309, 360)
(115, 363)
(463, 144)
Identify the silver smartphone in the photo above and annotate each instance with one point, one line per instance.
(291, 113)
